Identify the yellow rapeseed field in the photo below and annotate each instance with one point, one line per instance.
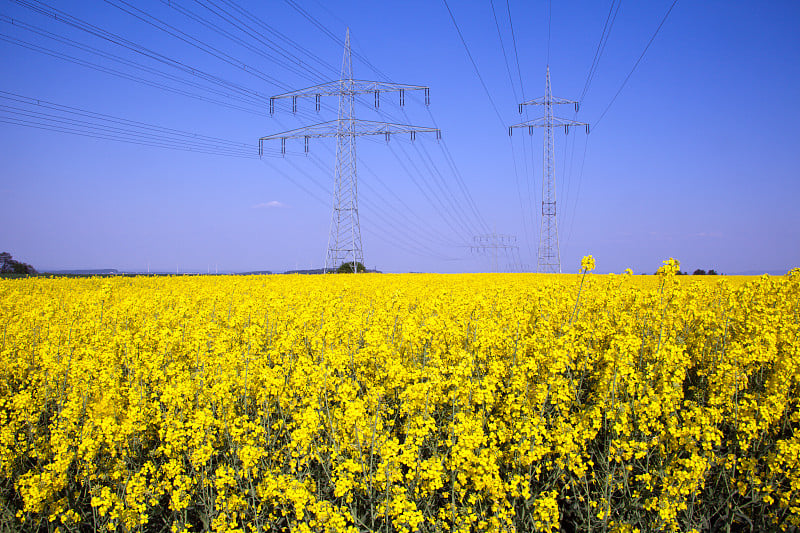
(345, 403)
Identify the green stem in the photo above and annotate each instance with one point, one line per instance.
(578, 299)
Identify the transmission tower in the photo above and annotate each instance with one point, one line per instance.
(549, 254)
(344, 240)
(492, 243)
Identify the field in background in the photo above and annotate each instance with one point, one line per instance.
(487, 402)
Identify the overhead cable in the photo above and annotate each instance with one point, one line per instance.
(625, 81)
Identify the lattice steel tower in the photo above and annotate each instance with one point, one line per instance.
(492, 243)
(344, 240)
(549, 254)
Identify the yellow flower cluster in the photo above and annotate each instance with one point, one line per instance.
(403, 403)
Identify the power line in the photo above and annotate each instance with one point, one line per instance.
(426, 159)
(26, 111)
(522, 207)
(99, 133)
(296, 183)
(75, 22)
(449, 208)
(117, 72)
(460, 181)
(188, 39)
(527, 171)
(566, 178)
(608, 25)
(327, 32)
(577, 195)
(246, 28)
(324, 29)
(238, 24)
(406, 247)
(549, 24)
(122, 121)
(516, 54)
(114, 72)
(95, 127)
(663, 20)
(404, 219)
(474, 65)
(435, 172)
(399, 241)
(461, 185)
(133, 64)
(452, 199)
(317, 23)
(601, 45)
(283, 37)
(410, 243)
(405, 211)
(523, 210)
(442, 208)
(235, 91)
(503, 48)
(240, 90)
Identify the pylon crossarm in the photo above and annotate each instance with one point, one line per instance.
(555, 100)
(341, 129)
(324, 129)
(360, 127)
(335, 88)
(542, 122)
(369, 127)
(365, 86)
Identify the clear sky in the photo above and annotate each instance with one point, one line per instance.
(697, 158)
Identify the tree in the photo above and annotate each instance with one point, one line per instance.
(10, 266)
(712, 272)
(22, 268)
(699, 272)
(347, 268)
(5, 262)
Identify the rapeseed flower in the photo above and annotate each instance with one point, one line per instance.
(402, 403)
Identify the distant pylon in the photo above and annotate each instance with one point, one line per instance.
(344, 240)
(549, 253)
(492, 243)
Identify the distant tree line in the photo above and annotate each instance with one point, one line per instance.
(9, 266)
(701, 272)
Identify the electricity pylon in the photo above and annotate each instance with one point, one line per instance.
(344, 240)
(549, 254)
(492, 243)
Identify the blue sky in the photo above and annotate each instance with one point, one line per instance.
(696, 159)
